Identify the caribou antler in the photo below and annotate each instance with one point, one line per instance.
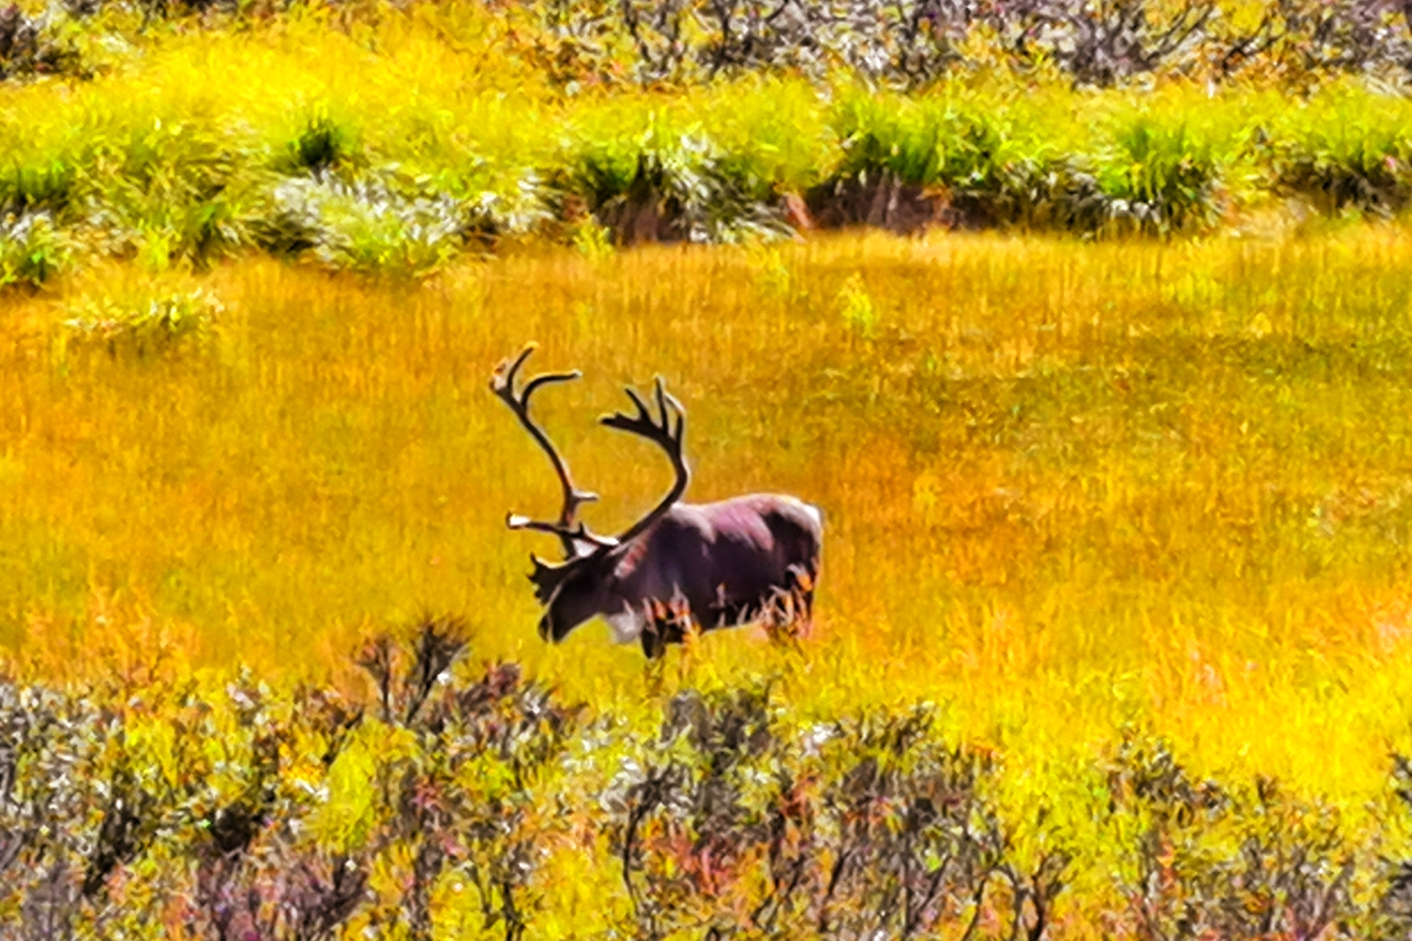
(568, 529)
(575, 531)
(661, 430)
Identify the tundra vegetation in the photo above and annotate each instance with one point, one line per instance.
(1113, 632)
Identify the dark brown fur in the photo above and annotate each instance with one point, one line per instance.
(702, 566)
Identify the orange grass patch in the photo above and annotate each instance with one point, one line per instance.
(1069, 488)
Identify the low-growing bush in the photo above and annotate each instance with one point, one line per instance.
(444, 795)
(382, 224)
(869, 827)
(34, 45)
(1227, 862)
(1365, 167)
(192, 805)
(46, 186)
(666, 187)
(1159, 178)
(145, 327)
(463, 799)
(50, 806)
(32, 250)
(322, 144)
(1304, 41)
(914, 43)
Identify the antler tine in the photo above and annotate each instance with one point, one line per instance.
(503, 382)
(545, 379)
(530, 347)
(663, 399)
(661, 430)
(661, 391)
(577, 531)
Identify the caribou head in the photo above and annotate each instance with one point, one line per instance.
(682, 566)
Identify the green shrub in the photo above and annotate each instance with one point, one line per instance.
(32, 250)
(183, 190)
(971, 146)
(146, 327)
(990, 163)
(322, 144)
(46, 185)
(1367, 167)
(966, 160)
(667, 187)
(890, 136)
(1159, 178)
(365, 225)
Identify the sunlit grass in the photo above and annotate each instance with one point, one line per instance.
(189, 145)
(1074, 491)
(1070, 488)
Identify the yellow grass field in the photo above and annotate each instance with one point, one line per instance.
(1114, 630)
(1072, 490)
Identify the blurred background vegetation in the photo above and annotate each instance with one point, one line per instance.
(391, 138)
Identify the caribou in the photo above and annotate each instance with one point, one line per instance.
(683, 567)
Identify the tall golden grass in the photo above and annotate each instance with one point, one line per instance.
(1070, 489)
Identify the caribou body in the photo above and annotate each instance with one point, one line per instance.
(681, 567)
